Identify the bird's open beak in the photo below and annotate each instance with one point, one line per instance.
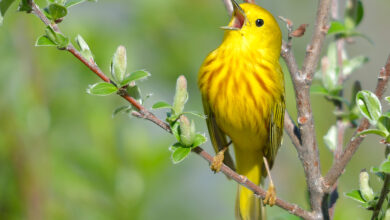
(239, 18)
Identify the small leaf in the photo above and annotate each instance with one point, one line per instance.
(4, 5)
(385, 166)
(200, 115)
(378, 173)
(372, 131)
(134, 76)
(44, 41)
(199, 140)
(388, 98)
(355, 194)
(330, 139)
(337, 27)
(119, 64)
(135, 92)
(369, 105)
(317, 89)
(354, 13)
(180, 154)
(25, 5)
(102, 88)
(384, 124)
(84, 48)
(120, 109)
(60, 40)
(70, 3)
(175, 130)
(56, 11)
(352, 64)
(161, 104)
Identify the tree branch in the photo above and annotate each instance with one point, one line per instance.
(144, 113)
(385, 190)
(338, 167)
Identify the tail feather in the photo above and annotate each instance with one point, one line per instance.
(248, 205)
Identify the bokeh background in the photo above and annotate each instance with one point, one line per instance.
(62, 155)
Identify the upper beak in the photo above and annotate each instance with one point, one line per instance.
(238, 19)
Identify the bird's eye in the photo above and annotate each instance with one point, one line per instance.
(259, 22)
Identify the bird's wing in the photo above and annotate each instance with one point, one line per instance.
(276, 124)
(217, 136)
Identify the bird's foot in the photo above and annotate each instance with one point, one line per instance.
(270, 196)
(218, 160)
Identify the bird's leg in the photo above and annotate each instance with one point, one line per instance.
(270, 196)
(218, 159)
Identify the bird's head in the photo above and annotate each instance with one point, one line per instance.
(255, 27)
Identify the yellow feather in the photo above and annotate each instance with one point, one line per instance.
(243, 90)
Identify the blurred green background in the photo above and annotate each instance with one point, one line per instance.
(62, 155)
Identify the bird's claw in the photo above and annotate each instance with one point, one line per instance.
(270, 196)
(217, 162)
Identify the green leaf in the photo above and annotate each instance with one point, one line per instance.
(70, 3)
(369, 105)
(199, 140)
(25, 5)
(378, 173)
(84, 48)
(317, 89)
(337, 27)
(385, 166)
(121, 109)
(355, 194)
(44, 41)
(352, 64)
(60, 40)
(56, 11)
(161, 104)
(119, 65)
(354, 13)
(135, 92)
(134, 76)
(384, 124)
(175, 130)
(388, 98)
(330, 139)
(4, 5)
(102, 89)
(180, 153)
(372, 131)
(200, 115)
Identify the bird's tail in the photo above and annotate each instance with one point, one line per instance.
(248, 205)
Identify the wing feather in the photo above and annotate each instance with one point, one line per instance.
(217, 136)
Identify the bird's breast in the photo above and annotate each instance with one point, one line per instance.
(240, 90)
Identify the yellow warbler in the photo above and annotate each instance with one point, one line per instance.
(242, 88)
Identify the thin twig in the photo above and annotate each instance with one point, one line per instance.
(144, 113)
(338, 167)
(385, 190)
(244, 181)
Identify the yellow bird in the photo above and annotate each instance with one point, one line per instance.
(242, 89)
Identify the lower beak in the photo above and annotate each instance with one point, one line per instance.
(238, 19)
